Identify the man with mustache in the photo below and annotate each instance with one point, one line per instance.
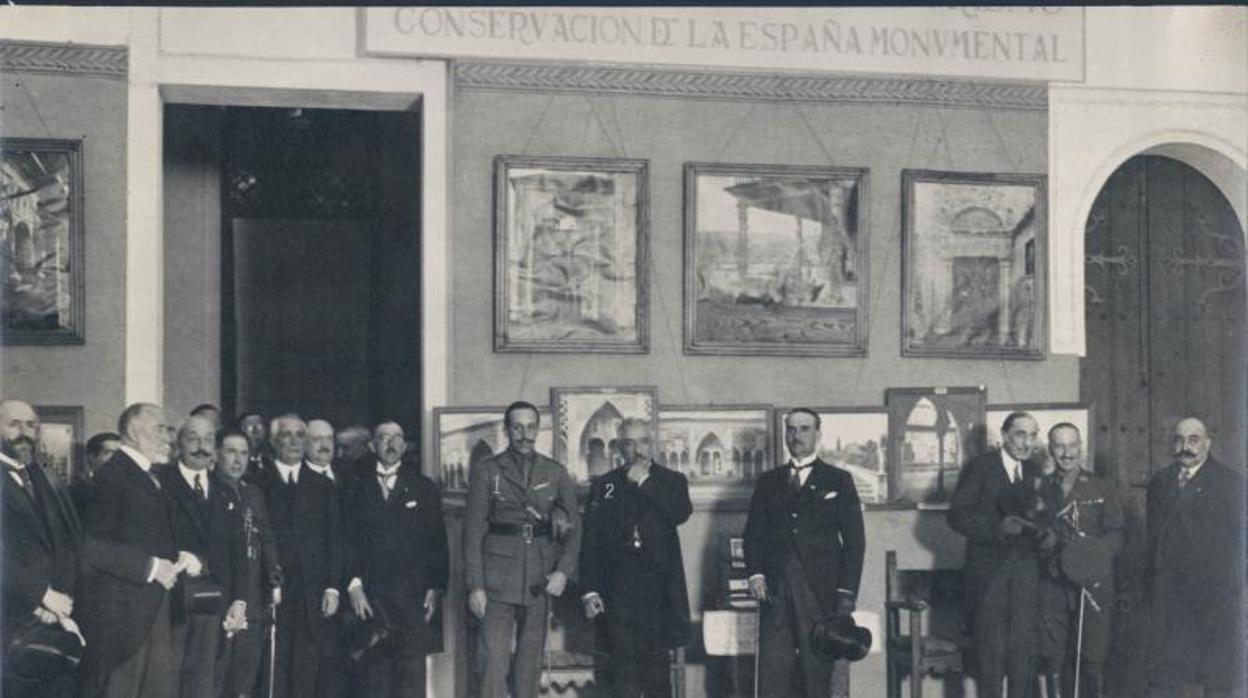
(251, 424)
(304, 511)
(203, 525)
(1088, 532)
(258, 576)
(131, 561)
(320, 457)
(514, 560)
(40, 545)
(1001, 571)
(398, 561)
(1196, 569)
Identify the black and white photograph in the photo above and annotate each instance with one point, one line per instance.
(628, 351)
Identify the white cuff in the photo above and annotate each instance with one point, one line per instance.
(151, 570)
(756, 576)
(355, 583)
(590, 595)
(333, 591)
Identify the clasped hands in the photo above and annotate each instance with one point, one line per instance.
(165, 572)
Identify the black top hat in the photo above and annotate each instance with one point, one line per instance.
(372, 639)
(40, 651)
(838, 637)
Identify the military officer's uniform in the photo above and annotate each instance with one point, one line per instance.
(1090, 525)
(515, 505)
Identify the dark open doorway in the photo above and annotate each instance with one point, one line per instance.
(317, 216)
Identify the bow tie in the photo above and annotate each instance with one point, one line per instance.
(799, 468)
(387, 472)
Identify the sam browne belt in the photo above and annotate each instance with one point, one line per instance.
(527, 530)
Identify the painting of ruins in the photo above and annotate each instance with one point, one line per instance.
(974, 281)
(775, 260)
(570, 245)
(41, 243)
(587, 425)
(469, 435)
(931, 433)
(854, 439)
(716, 445)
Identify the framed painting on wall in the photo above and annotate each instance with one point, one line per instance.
(852, 438)
(41, 241)
(719, 448)
(974, 265)
(931, 433)
(60, 447)
(469, 435)
(587, 422)
(570, 253)
(775, 260)
(1048, 415)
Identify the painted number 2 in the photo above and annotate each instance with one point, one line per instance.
(610, 491)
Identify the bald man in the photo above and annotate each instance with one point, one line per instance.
(304, 511)
(39, 550)
(1196, 573)
(131, 562)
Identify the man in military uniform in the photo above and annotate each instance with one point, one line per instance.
(521, 538)
(631, 567)
(1078, 552)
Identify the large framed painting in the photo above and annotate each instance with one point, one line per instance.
(60, 448)
(721, 449)
(469, 435)
(852, 438)
(973, 247)
(931, 433)
(570, 252)
(587, 423)
(41, 241)
(1048, 415)
(775, 260)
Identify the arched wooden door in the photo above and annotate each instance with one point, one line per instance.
(1165, 319)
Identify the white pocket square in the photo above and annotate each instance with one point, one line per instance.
(541, 485)
(830, 495)
(411, 504)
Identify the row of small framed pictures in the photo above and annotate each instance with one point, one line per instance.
(906, 452)
(775, 259)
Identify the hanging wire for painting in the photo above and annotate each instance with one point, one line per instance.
(47, 132)
(732, 133)
(615, 147)
(537, 127)
(1009, 156)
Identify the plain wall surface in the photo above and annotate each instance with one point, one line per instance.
(90, 375)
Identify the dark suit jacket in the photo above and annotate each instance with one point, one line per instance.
(129, 522)
(656, 508)
(207, 531)
(398, 548)
(976, 513)
(39, 551)
(309, 536)
(829, 540)
(1196, 544)
(258, 568)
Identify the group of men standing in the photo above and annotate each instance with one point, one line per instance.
(1039, 570)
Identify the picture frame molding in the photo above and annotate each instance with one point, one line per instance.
(556, 422)
(912, 177)
(75, 333)
(637, 167)
(71, 415)
(730, 496)
(893, 464)
(779, 413)
(692, 170)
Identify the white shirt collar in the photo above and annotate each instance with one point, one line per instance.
(190, 475)
(1191, 472)
(144, 463)
(388, 470)
(1010, 463)
(325, 470)
(289, 473)
(10, 462)
(805, 462)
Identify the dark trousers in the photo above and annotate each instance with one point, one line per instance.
(639, 664)
(400, 676)
(504, 624)
(55, 687)
(240, 659)
(1059, 634)
(152, 671)
(785, 653)
(1006, 627)
(298, 651)
(332, 682)
(199, 637)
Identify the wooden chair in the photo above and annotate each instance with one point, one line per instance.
(916, 653)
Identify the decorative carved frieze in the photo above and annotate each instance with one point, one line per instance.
(723, 85)
(79, 59)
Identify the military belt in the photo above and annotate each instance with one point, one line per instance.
(528, 531)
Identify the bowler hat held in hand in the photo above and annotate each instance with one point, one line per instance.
(838, 637)
(41, 651)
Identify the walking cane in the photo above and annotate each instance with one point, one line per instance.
(758, 638)
(272, 643)
(544, 682)
(1083, 595)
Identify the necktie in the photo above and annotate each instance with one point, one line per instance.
(1018, 473)
(24, 476)
(1185, 475)
(796, 480)
(387, 478)
(199, 486)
